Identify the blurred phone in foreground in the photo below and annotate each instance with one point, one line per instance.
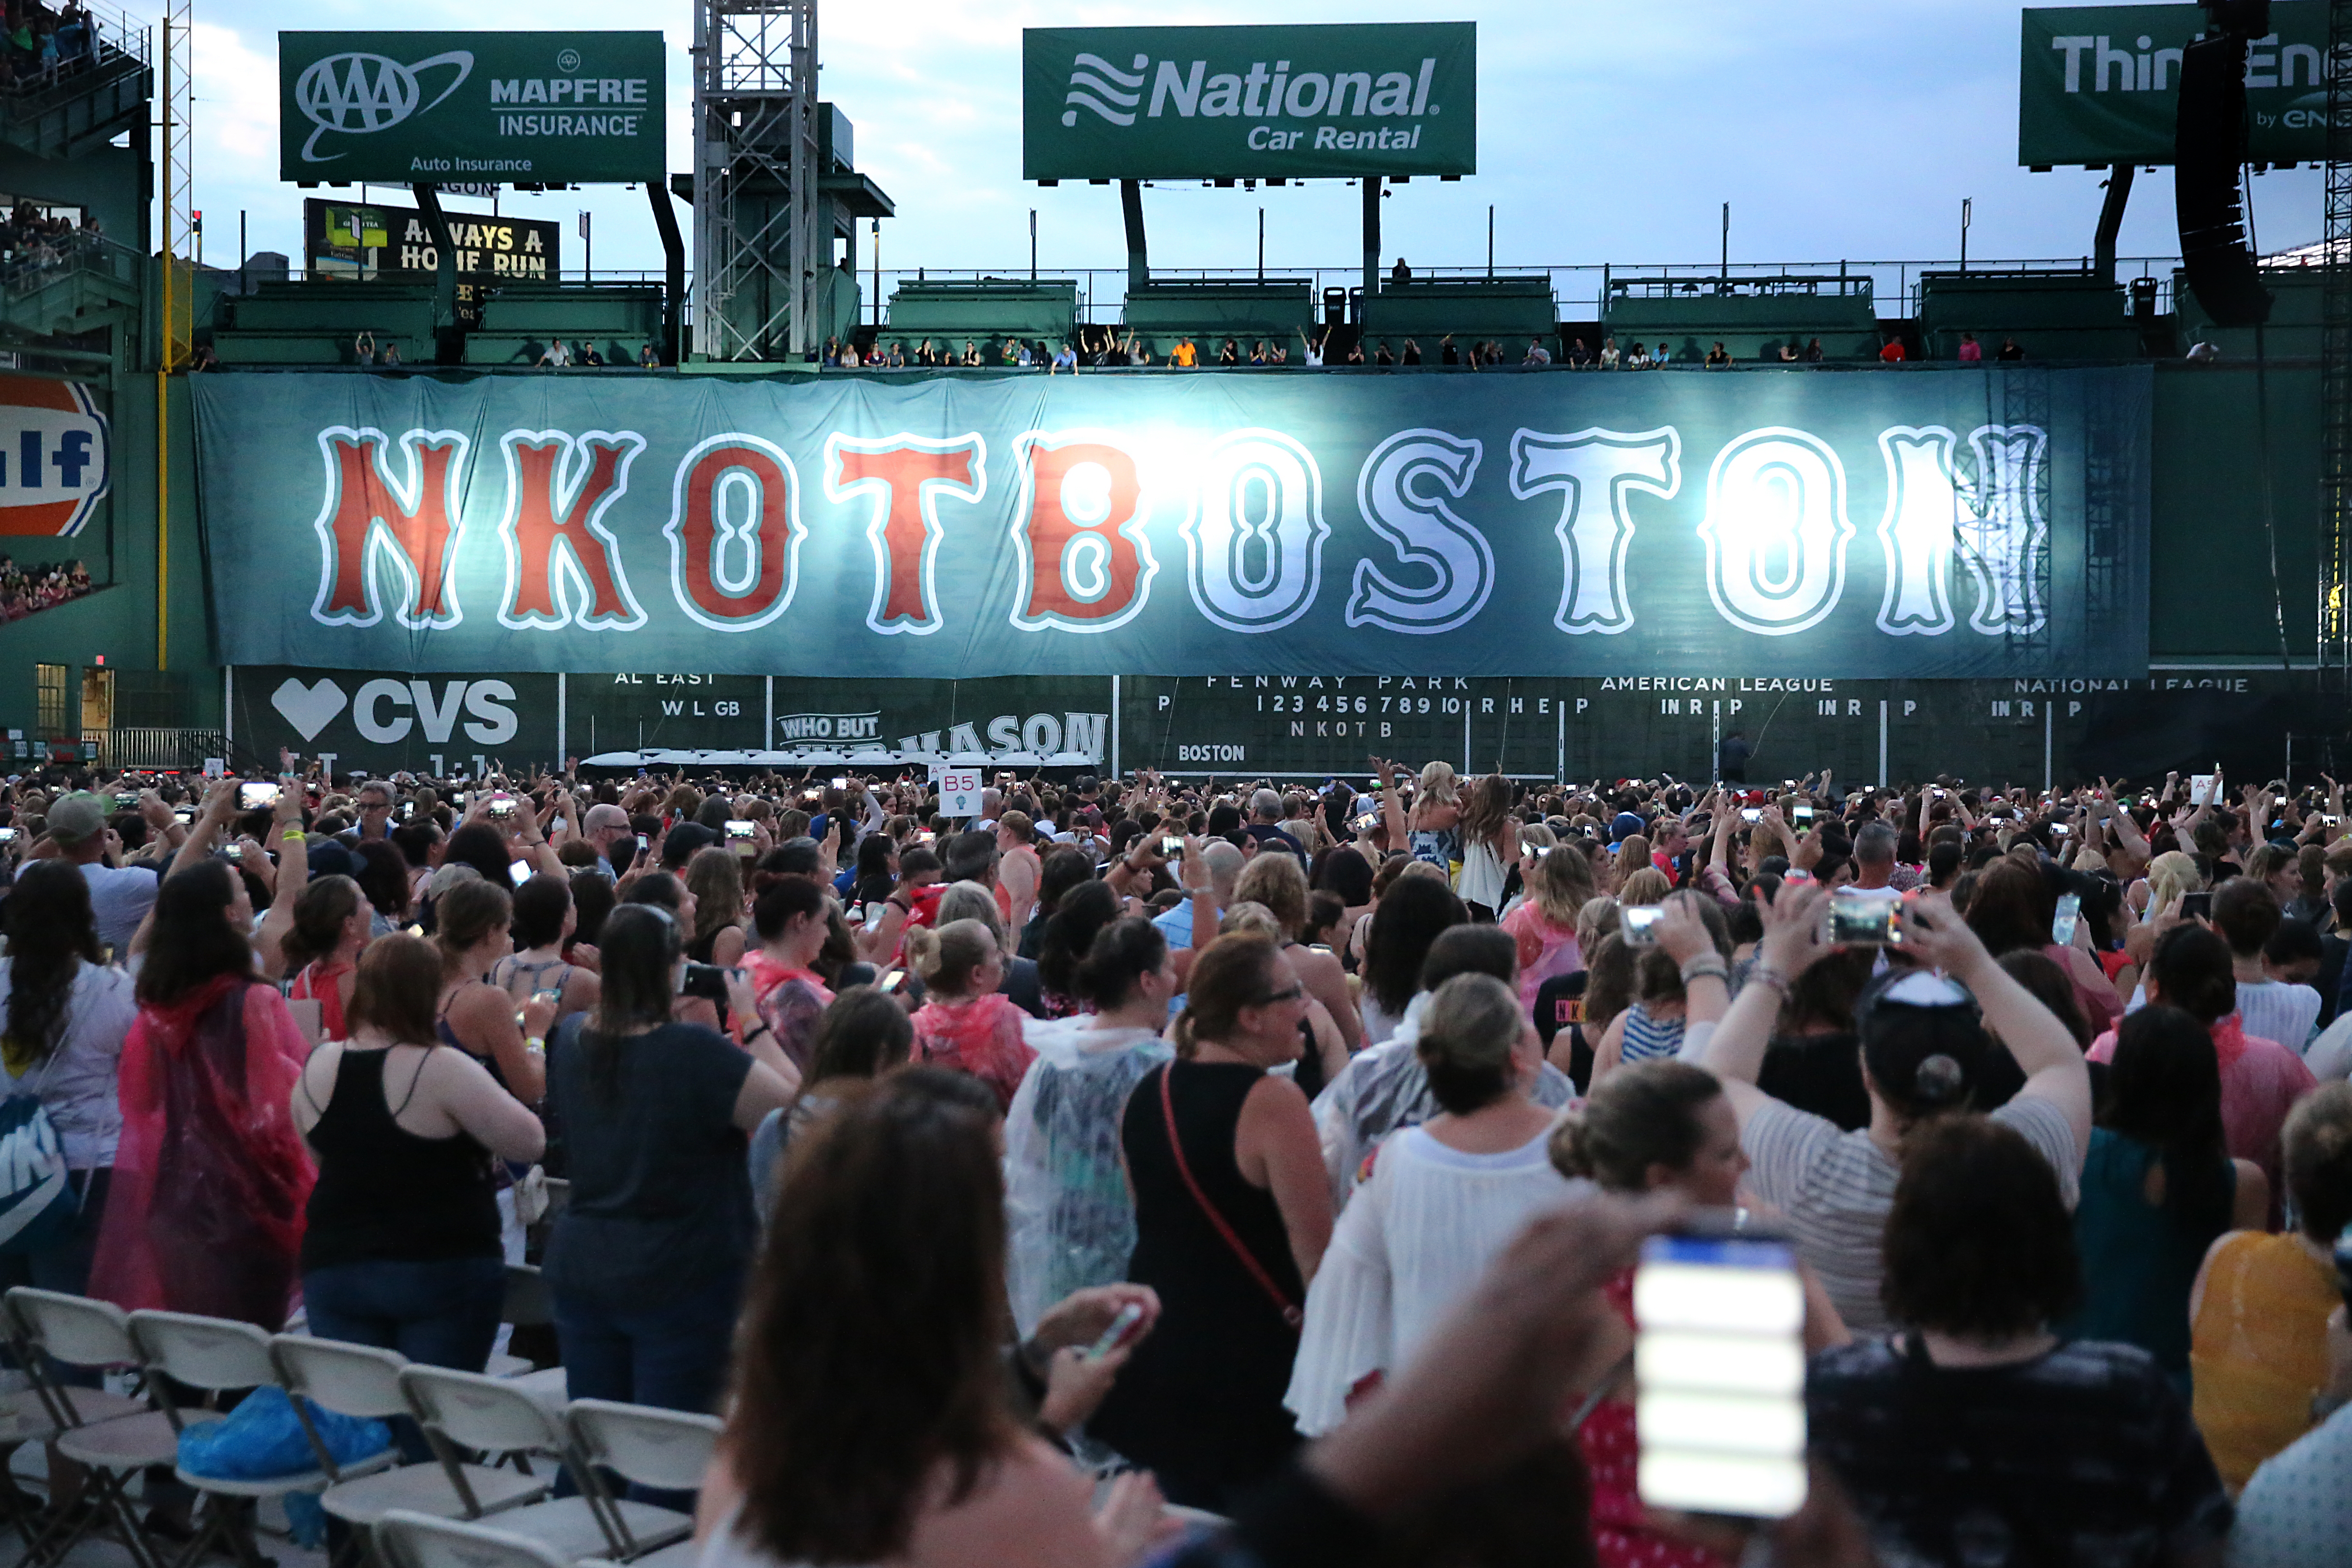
(1719, 1364)
(2061, 924)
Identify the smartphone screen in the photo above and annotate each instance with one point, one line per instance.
(519, 872)
(1751, 814)
(253, 797)
(2197, 906)
(1860, 920)
(2061, 926)
(1801, 812)
(1171, 849)
(1719, 1365)
(1640, 926)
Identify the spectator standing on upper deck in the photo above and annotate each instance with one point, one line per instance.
(2009, 352)
(1537, 352)
(1579, 356)
(1813, 352)
(1400, 273)
(1664, 357)
(1971, 350)
(1609, 353)
(1185, 355)
(1718, 357)
(1892, 353)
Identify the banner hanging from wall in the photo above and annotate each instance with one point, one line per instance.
(1938, 522)
(1273, 102)
(441, 109)
(2101, 84)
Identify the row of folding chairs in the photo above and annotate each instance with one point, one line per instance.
(477, 1426)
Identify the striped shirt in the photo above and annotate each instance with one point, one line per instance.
(1647, 1039)
(1836, 1188)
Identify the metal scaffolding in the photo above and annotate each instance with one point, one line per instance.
(757, 249)
(2335, 640)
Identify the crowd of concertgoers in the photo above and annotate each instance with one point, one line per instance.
(1106, 348)
(1285, 1154)
(24, 589)
(39, 45)
(34, 241)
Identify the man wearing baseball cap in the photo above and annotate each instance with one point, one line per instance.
(120, 896)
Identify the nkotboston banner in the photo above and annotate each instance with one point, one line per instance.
(458, 108)
(1943, 521)
(1275, 102)
(2101, 84)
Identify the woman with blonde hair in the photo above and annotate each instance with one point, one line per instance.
(1558, 883)
(1431, 832)
(968, 1023)
(1442, 1199)
(715, 877)
(1643, 888)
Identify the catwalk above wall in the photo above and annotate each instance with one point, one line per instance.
(1952, 522)
(1305, 726)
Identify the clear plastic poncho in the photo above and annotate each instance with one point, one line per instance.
(1069, 1215)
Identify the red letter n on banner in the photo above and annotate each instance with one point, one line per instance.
(1085, 563)
(904, 476)
(370, 517)
(735, 532)
(558, 553)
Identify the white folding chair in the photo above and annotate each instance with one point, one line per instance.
(363, 1381)
(460, 1410)
(407, 1540)
(111, 1437)
(217, 1355)
(528, 1305)
(668, 1450)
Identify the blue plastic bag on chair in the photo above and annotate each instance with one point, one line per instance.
(262, 1437)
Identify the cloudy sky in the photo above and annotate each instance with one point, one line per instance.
(1839, 130)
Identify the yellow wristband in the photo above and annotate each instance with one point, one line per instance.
(290, 834)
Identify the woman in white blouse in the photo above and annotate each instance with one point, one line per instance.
(1442, 1199)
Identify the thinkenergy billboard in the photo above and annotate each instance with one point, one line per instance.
(456, 108)
(1943, 523)
(1277, 102)
(2101, 84)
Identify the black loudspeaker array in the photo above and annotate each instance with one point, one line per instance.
(2209, 154)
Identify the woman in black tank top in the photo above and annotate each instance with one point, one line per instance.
(401, 1249)
(1231, 1214)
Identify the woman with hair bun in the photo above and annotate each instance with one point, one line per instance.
(1442, 1199)
(1925, 1051)
(1651, 1125)
(1071, 1218)
(322, 951)
(967, 1024)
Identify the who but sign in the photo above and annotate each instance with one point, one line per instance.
(1284, 102)
(444, 109)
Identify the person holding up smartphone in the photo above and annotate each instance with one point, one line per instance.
(1926, 1033)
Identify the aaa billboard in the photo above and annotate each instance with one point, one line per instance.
(447, 108)
(1283, 102)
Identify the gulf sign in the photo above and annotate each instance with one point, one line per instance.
(55, 457)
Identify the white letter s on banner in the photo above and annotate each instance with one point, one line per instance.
(1425, 533)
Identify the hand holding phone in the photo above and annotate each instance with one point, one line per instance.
(1719, 1364)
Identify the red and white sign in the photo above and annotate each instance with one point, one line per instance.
(54, 457)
